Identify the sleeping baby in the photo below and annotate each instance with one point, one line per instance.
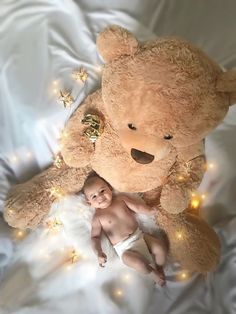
(115, 216)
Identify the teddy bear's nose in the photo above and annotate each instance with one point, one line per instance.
(141, 157)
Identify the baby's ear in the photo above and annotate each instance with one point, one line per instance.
(226, 83)
(115, 41)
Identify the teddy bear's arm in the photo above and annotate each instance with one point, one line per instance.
(185, 176)
(76, 148)
(28, 203)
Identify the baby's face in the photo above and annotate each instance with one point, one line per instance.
(98, 194)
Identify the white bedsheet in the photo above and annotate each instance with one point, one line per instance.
(44, 40)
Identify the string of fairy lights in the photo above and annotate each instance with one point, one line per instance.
(54, 226)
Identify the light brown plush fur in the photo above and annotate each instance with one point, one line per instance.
(158, 101)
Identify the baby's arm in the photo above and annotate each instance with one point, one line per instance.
(96, 240)
(138, 205)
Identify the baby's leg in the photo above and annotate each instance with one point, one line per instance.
(157, 247)
(136, 261)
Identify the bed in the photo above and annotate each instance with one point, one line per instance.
(42, 42)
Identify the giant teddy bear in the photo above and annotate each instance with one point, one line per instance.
(142, 131)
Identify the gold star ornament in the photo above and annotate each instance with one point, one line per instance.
(95, 126)
(65, 98)
(58, 161)
(80, 75)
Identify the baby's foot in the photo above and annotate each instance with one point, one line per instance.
(158, 276)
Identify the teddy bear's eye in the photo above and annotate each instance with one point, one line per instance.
(132, 127)
(168, 137)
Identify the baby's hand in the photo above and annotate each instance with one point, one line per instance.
(102, 259)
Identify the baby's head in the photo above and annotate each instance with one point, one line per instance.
(97, 191)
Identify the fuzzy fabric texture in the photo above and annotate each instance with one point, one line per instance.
(158, 101)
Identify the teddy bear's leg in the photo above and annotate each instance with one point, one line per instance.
(193, 243)
(28, 203)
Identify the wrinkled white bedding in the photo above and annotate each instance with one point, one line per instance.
(44, 40)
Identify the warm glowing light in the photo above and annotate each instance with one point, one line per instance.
(14, 159)
(68, 267)
(55, 82)
(64, 134)
(118, 293)
(126, 277)
(183, 275)
(18, 234)
(211, 166)
(203, 196)
(98, 68)
(181, 178)
(179, 235)
(195, 203)
(29, 155)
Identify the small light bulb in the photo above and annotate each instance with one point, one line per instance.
(14, 159)
(29, 155)
(179, 235)
(195, 203)
(180, 178)
(119, 293)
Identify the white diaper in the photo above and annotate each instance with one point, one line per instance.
(135, 242)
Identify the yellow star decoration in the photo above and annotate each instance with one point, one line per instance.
(66, 99)
(56, 192)
(54, 225)
(80, 75)
(58, 161)
(74, 257)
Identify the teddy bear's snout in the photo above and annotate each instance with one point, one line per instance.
(141, 157)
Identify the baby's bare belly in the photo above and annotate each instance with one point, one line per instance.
(117, 230)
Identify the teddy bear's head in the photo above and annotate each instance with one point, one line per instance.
(159, 94)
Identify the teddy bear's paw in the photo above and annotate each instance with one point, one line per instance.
(26, 205)
(174, 198)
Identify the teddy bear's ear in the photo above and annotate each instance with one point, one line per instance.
(115, 41)
(226, 82)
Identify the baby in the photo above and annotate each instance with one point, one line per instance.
(115, 215)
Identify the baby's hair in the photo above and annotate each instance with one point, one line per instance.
(92, 177)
